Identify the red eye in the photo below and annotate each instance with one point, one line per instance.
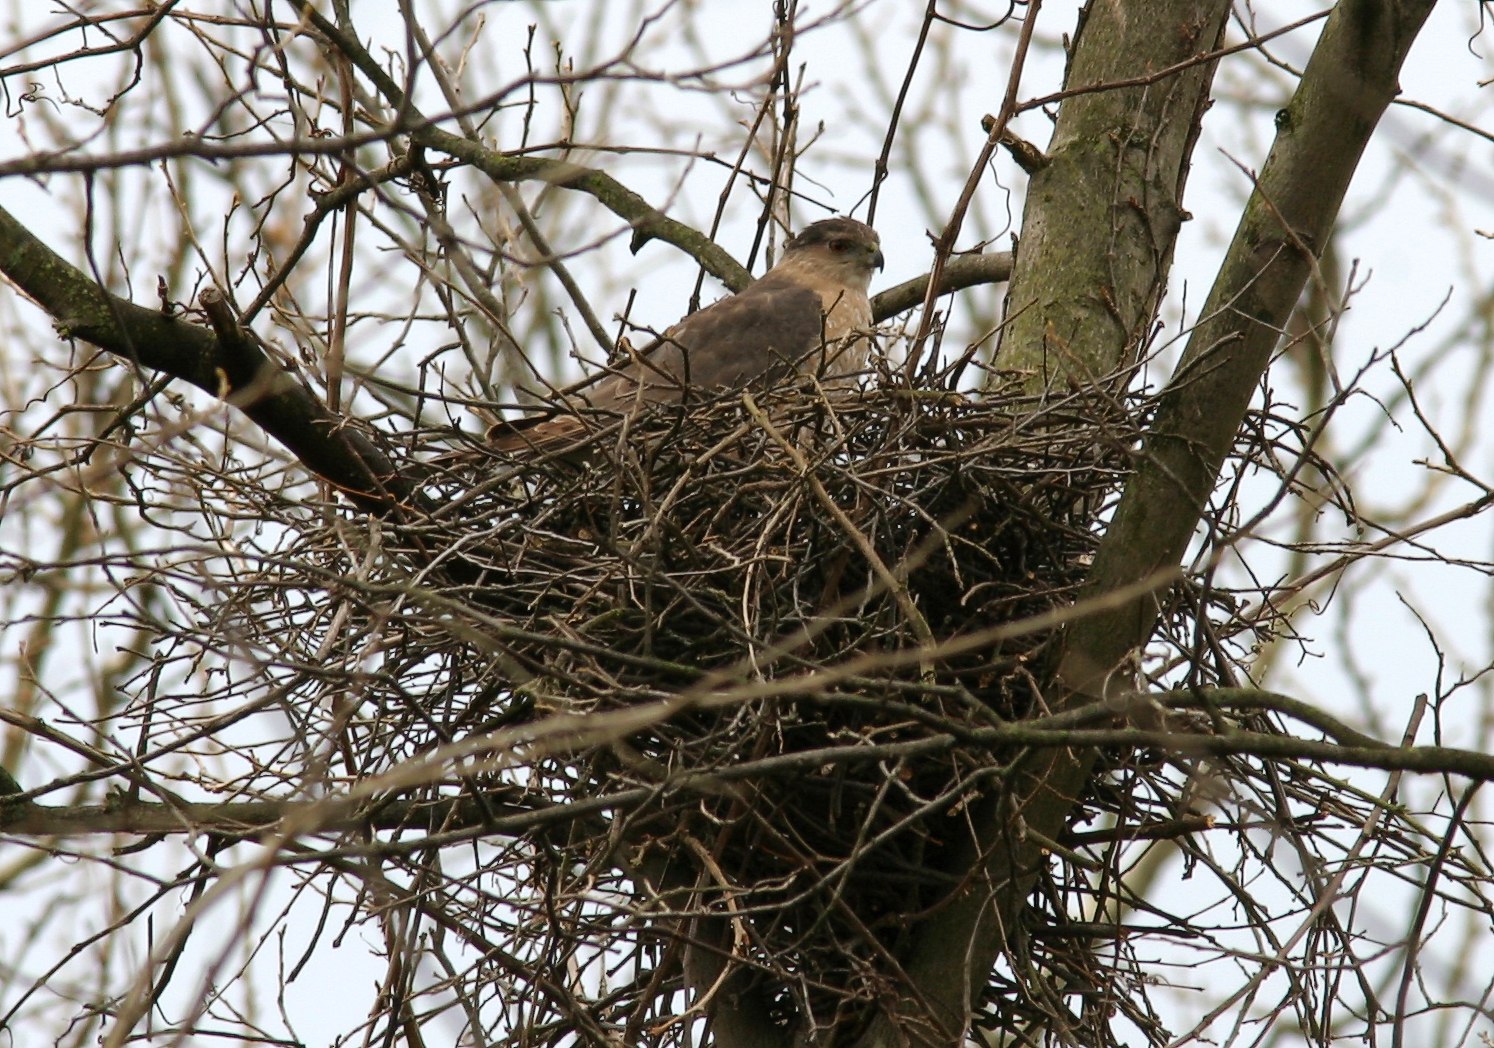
(840, 246)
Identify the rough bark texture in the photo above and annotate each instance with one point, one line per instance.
(1321, 136)
(1103, 213)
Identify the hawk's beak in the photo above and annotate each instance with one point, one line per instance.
(877, 259)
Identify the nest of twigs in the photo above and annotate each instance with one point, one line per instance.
(842, 581)
(759, 536)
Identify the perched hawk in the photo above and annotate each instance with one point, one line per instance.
(808, 315)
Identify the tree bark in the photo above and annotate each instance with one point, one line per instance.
(1098, 229)
(1321, 135)
(1103, 212)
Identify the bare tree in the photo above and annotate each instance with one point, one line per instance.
(953, 709)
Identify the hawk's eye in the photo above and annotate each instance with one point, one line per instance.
(840, 247)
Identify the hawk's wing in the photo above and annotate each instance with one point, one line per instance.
(758, 336)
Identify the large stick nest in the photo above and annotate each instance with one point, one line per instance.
(887, 541)
(757, 536)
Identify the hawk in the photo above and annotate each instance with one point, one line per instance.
(809, 315)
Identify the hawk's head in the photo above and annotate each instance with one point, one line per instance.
(839, 248)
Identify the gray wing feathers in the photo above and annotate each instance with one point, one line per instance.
(757, 337)
(760, 334)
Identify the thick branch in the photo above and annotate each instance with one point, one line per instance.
(1103, 211)
(251, 819)
(493, 815)
(1321, 135)
(1098, 231)
(958, 274)
(237, 371)
(1348, 83)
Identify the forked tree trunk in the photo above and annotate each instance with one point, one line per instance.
(1096, 242)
